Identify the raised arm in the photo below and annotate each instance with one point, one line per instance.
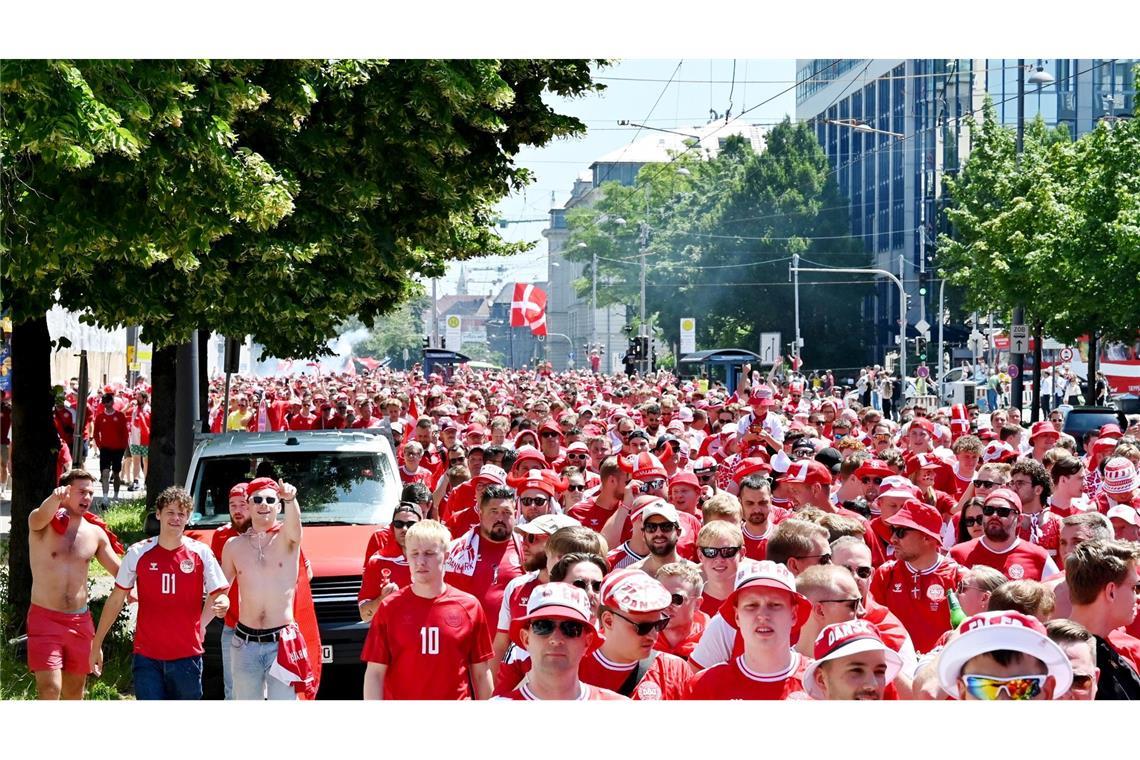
(292, 527)
(41, 516)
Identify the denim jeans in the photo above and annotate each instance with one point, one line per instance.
(168, 679)
(227, 660)
(249, 668)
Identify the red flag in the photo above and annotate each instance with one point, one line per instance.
(414, 413)
(306, 616)
(528, 308)
(350, 367)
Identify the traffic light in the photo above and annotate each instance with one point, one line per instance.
(643, 349)
(443, 341)
(427, 342)
(920, 348)
(923, 283)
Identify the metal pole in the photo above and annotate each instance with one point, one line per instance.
(1017, 386)
(642, 328)
(434, 317)
(902, 322)
(593, 305)
(796, 280)
(941, 339)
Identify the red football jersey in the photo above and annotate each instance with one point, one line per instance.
(590, 514)
(735, 680)
(496, 566)
(623, 557)
(421, 475)
(429, 645)
(170, 588)
(918, 599)
(1022, 561)
(756, 547)
(667, 678)
(217, 543)
(710, 605)
(379, 571)
(685, 647)
(588, 693)
(515, 599)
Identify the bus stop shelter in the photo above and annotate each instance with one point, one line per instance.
(718, 365)
(442, 361)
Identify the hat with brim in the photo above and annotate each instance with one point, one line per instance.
(546, 525)
(916, 515)
(1004, 630)
(558, 601)
(766, 574)
(844, 640)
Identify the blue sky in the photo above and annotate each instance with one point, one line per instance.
(638, 90)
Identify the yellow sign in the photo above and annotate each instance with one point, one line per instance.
(145, 353)
(453, 322)
(130, 354)
(134, 367)
(688, 324)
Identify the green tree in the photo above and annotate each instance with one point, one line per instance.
(722, 235)
(269, 198)
(399, 330)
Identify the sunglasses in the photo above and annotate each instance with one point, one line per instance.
(969, 522)
(1017, 687)
(586, 585)
(532, 501)
(824, 559)
(963, 587)
(881, 437)
(571, 629)
(263, 499)
(862, 572)
(654, 485)
(576, 488)
(852, 604)
(550, 434)
(665, 527)
(644, 629)
(704, 479)
(869, 481)
(1002, 512)
(899, 533)
(1082, 682)
(577, 456)
(401, 524)
(461, 460)
(678, 599)
(728, 552)
(985, 484)
(533, 538)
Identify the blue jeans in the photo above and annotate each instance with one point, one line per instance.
(168, 679)
(249, 667)
(227, 667)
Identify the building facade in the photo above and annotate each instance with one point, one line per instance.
(893, 128)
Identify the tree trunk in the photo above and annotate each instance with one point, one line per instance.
(35, 448)
(1094, 349)
(1038, 337)
(203, 412)
(160, 474)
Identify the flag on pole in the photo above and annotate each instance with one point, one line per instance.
(528, 308)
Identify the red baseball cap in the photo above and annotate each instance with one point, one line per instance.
(239, 489)
(260, 484)
(807, 471)
(919, 516)
(751, 466)
(535, 479)
(1004, 495)
(922, 462)
(922, 423)
(874, 468)
(684, 478)
(530, 454)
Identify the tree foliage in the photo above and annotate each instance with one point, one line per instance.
(722, 235)
(1055, 232)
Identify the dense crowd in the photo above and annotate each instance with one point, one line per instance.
(586, 536)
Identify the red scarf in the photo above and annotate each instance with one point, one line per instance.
(62, 518)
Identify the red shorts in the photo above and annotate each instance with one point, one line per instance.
(59, 640)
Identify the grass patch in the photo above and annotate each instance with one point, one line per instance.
(127, 520)
(117, 681)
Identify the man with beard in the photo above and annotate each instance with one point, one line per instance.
(760, 517)
(595, 510)
(487, 557)
(1000, 547)
(851, 662)
(661, 524)
(386, 568)
(535, 534)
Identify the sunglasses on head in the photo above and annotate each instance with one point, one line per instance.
(576, 488)
(1002, 512)
(532, 501)
(969, 522)
(727, 552)
(1017, 687)
(401, 524)
(644, 629)
(571, 629)
(586, 585)
(665, 527)
(263, 499)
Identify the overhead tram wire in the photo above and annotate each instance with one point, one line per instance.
(651, 110)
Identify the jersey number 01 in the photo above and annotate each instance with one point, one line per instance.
(429, 640)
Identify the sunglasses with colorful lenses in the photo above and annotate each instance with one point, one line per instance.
(533, 501)
(666, 527)
(1002, 512)
(586, 585)
(969, 522)
(1017, 687)
(728, 552)
(263, 499)
(570, 629)
(401, 524)
(644, 629)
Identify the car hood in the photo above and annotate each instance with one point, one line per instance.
(332, 550)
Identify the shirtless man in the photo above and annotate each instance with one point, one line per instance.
(62, 541)
(264, 561)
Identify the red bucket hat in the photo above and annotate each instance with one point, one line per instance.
(919, 516)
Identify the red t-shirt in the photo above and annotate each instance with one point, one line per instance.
(496, 566)
(588, 693)
(461, 498)
(666, 679)
(735, 680)
(959, 484)
(170, 584)
(429, 645)
(756, 547)
(1022, 561)
(710, 605)
(918, 599)
(421, 475)
(590, 514)
(379, 571)
(685, 647)
(462, 521)
(515, 599)
(301, 421)
(111, 430)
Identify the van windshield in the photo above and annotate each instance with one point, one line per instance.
(349, 487)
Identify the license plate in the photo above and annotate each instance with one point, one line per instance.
(326, 653)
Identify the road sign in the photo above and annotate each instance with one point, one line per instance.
(1049, 344)
(769, 347)
(923, 371)
(1019, 339)
(454, 334)
(1001, 342)
(1066, 354)
(923, 328)
(688, 335)
(1012, 371)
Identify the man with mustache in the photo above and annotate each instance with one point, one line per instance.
(487, 557)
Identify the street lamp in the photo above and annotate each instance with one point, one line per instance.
(862, 128)
(1040, 76)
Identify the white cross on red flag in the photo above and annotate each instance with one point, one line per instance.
(528, 308)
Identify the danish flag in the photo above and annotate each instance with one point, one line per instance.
(528, 308)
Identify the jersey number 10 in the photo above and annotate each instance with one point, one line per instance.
(429, 640)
